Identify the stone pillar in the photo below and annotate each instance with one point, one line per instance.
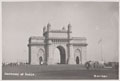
(70, 47)
(48, 46)
(71, 54)
(84, 57)
(50, 53)
(29, 48)
(50, 56)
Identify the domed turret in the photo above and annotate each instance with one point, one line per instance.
(69, 27)
(44, 29)
(48, 27)
(63, 28)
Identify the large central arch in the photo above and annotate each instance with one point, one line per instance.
(62, 56)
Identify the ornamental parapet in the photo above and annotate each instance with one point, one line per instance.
(79, 38)
(36, 44)
(58, 38)
(37, 37)
(79, 44)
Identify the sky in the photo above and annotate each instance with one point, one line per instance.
(94, 20)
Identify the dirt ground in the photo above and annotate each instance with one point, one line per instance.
(58, 72)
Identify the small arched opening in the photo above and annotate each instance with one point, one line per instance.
(40, 56)
(78, 57)
(40, 60)
(77, 60)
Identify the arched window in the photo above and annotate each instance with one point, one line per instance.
(77, 56)
(40, 56)
(77, 60)
(40, 60)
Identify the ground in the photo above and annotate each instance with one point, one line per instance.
(56, 72)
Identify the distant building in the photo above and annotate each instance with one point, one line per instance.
(72, 49)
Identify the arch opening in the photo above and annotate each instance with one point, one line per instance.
(40, 60)
(40, 56)
(59, 55)
(77, 60)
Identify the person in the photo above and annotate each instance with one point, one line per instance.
(87, 65)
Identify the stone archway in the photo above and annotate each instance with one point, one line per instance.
(78, 57)
(61, 55)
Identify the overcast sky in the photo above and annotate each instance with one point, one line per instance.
(93, 20)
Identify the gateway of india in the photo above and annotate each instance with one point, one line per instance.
(72, 50)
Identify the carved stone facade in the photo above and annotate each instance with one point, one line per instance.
(72, 49)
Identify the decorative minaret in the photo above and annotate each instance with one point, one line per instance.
(44, 29)
(48, 45)
(63, 28)
(69, 31)
(29, 48)
(48, 31)
(70, 47)
(48, 27)
(45, 59)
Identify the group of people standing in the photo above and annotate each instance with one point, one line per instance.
(93, 65)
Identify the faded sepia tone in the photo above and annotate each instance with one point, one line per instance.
(95, 21)
(60, 40)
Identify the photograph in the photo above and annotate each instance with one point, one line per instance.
(60, 40)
